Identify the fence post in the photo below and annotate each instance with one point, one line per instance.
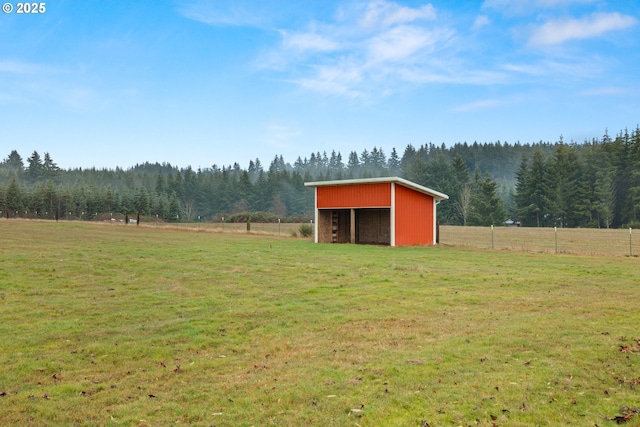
(630, 243)
(555, 236)
(491, 236)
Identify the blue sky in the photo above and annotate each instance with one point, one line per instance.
(196, 83)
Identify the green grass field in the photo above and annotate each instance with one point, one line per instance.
(153, 326)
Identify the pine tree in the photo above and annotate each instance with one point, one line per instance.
(13, 198)
(605, 196)
(486, 208)
(562, 180)
(49, 168)
(353, 165)
(532, 192)
(394, 163)
(14, 161)
(631, 209)
(35, 168)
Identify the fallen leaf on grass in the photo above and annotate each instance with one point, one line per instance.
(620, 419)
(630, 348)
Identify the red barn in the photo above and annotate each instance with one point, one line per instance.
(388, 211)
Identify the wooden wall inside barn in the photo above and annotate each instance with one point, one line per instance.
(373, 226)
(325, 225)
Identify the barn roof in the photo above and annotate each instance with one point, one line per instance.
(394, 179)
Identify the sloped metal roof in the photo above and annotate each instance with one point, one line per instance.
(394, 179)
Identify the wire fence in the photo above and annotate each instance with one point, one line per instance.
(588, 241)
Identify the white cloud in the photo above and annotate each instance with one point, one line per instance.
(235, 13)
(365, 52)
(605, 91)
(559, 31)
(280, 136)
(381, 13)
(308, 42)
(585, 67)
(480, 22)
(343, 79)
(403, 42)
(516, 7)
(20, 67)
(479, 105)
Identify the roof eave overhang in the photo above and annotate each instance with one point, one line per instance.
(421, 189)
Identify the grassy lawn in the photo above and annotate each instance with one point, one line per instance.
(152, 326)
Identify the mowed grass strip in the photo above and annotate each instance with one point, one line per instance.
(125, 325)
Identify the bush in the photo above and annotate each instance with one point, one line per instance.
(305, 230)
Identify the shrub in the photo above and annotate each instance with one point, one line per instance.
(305, 230)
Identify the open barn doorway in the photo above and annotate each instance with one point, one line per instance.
(365, 226)
(373, 226)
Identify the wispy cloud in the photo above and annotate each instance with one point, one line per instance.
(478, 105)
(371, 48)
(365, 51)
(481, 21)
(519, 7)
(605, 91)
(403, 43)
(20, 67)
(224, 12)
(381, 13)
(308, 41)
(280, 136)
(562, 30)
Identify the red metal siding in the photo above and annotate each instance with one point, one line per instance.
(354, 196)
(413, 217)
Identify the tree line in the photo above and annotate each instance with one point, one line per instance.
(595, 183)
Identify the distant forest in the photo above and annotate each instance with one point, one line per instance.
(595, 183)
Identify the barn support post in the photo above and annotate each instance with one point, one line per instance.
(352, 227)
(392, 215)
(315, 217)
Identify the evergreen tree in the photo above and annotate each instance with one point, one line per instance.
(49, 168)
(532, 192)
(13, 198)
(631, 208)
(605, 196)
(562, 180)
(35, 168)
(486, 207)
(407, 158)
(14, 161)
(353, 165)
(394, 163)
